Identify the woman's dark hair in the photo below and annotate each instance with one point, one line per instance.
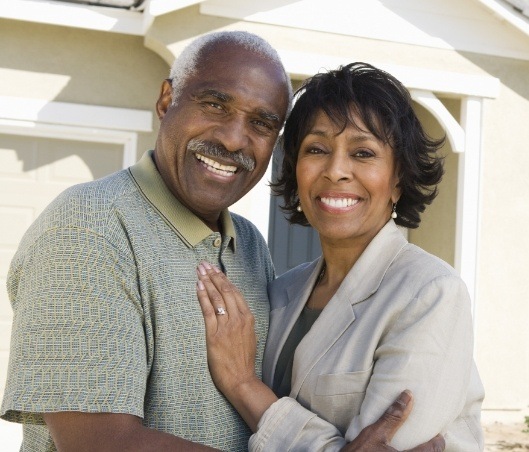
(384, 105)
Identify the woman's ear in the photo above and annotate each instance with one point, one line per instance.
(396, 192)
(165, 100)
(395, 196)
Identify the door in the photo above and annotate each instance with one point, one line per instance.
(290, 245)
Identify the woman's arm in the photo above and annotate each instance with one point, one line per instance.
(428, 349)
(232, 345)
(231, 355)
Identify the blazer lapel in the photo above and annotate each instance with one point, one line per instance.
(361, 282)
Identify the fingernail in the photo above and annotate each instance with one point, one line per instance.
(216, 269)
(404, 398)
(201, 269)
(207, 265)
(200, 285)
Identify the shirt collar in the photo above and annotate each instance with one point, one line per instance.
(191, 229)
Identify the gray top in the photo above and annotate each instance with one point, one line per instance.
(283, 373)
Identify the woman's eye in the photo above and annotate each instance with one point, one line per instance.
(314, 150)
(363, 153)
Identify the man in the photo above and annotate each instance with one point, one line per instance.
(108, 349)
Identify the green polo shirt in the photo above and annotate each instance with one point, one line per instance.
(106, 317)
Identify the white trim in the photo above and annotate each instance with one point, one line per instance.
(100, 18)
(301, 64)
(160, 7)
(99, 117)
(454, 131)
(88, 123)
(507, 12)
(468, 199)
(34, 129)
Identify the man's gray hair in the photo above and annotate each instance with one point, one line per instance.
(185, 65)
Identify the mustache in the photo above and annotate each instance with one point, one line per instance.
(210, 149)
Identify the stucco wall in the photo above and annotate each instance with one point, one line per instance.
(502, 347)
(80, 66)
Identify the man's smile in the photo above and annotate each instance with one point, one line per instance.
(216, 167)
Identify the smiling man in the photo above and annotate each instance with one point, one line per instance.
(218, 136)
(108, 349)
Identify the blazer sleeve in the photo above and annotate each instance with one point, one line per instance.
(426, 348)
(287, 425)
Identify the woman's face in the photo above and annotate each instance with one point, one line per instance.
(347, 181)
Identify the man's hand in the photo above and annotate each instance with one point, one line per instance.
(377, 436)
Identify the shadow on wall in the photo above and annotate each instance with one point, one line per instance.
(54, 160)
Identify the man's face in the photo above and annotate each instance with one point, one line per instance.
(214, 145)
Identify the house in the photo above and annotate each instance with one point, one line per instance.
(79, 80)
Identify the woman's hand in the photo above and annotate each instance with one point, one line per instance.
(231, 344)
(230, 334)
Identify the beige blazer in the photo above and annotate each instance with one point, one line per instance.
(400, 320)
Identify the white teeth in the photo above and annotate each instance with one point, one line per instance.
(339, 202)
(216, 167)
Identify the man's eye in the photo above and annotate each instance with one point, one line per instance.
(214, 105)
(262, 124)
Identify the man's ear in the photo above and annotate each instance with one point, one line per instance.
(165, 100)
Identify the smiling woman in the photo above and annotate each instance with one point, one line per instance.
(347, 180)
(374, 315)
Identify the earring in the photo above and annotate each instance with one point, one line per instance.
(394, 211)
(299, 208)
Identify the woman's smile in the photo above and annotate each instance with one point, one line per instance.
(347, 181)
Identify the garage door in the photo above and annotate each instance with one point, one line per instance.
(33, 171)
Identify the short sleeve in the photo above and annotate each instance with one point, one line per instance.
(78, 340)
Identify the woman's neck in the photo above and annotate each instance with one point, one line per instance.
(338, 261)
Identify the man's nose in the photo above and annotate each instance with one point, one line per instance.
(233, 133)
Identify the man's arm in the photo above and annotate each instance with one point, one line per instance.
(105, 432)
(76, 431)
(377, 436)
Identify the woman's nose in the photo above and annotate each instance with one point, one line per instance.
(338, 168)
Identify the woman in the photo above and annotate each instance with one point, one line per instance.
(374, 314)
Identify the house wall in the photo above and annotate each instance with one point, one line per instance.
(502, 335)
(80, 66)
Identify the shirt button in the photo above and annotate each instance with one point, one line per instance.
(217, 242)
